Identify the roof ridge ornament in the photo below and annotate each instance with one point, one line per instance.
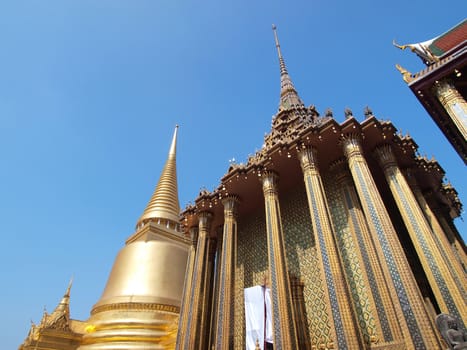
(421, 50)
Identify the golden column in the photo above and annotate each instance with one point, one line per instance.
(454, 257)
(446, 289)
(206, 295)
(224, 318)
(192, 331)
(453, 103)
(371, 296)
(343, 333)
(187, 288)
(458, 247)
(285, 336)
(215, 288)
(298, 300)
(416, 325)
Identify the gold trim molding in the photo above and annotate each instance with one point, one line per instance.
(136, 306)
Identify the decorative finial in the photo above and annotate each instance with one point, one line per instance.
(406, 75)
(164, 201)
(368, 112)
(402, 47)
(289, 96)
(173, 146)
(422, 50)
(68, 290)
(348, 113)
(328, 113)
(278, 46)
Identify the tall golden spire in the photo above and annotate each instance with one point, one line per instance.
(289, 96)
(164, 201)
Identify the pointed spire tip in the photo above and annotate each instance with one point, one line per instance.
(69, 286)
(289, 96)
(164, 201)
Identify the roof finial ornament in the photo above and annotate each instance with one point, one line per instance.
(406, 75)
(279, 53)
(368, 112)
(173, 146)
(421, 50)
(289, 96)
(402, 47)
(68, 290)
(348, 113)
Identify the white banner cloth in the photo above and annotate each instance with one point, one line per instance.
(257, 300)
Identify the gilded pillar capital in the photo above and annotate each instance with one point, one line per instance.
(230, 205)
(270, 180)
(308, 157)
(351, 144)
(205, 219)
(444, 87)
(193, 234)
(385, 156)
(454, 104)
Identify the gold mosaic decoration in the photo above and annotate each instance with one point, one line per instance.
(353, 267)
(251, 266)
(303, 262)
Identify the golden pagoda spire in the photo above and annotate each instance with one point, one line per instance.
(289, 96)
(61, 313)
(164, 201)
(64, 305)
(140, 305)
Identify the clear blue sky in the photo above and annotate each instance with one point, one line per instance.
(90, 92)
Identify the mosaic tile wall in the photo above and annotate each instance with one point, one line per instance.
(348, 248)
(252, 262)
(303, 262)
(251, 266)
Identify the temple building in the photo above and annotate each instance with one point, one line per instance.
(343, 227)
(441, 87)
(56, 330)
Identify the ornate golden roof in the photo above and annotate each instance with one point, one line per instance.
(164, 201)
(55, 328)
(60, 317)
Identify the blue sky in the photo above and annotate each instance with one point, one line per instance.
(90, 92)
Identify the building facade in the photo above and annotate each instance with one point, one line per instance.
(350, 229)
(441, 87)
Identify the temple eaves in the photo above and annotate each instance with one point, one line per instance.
(433, 50)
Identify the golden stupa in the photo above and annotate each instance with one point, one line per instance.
(140, 305)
